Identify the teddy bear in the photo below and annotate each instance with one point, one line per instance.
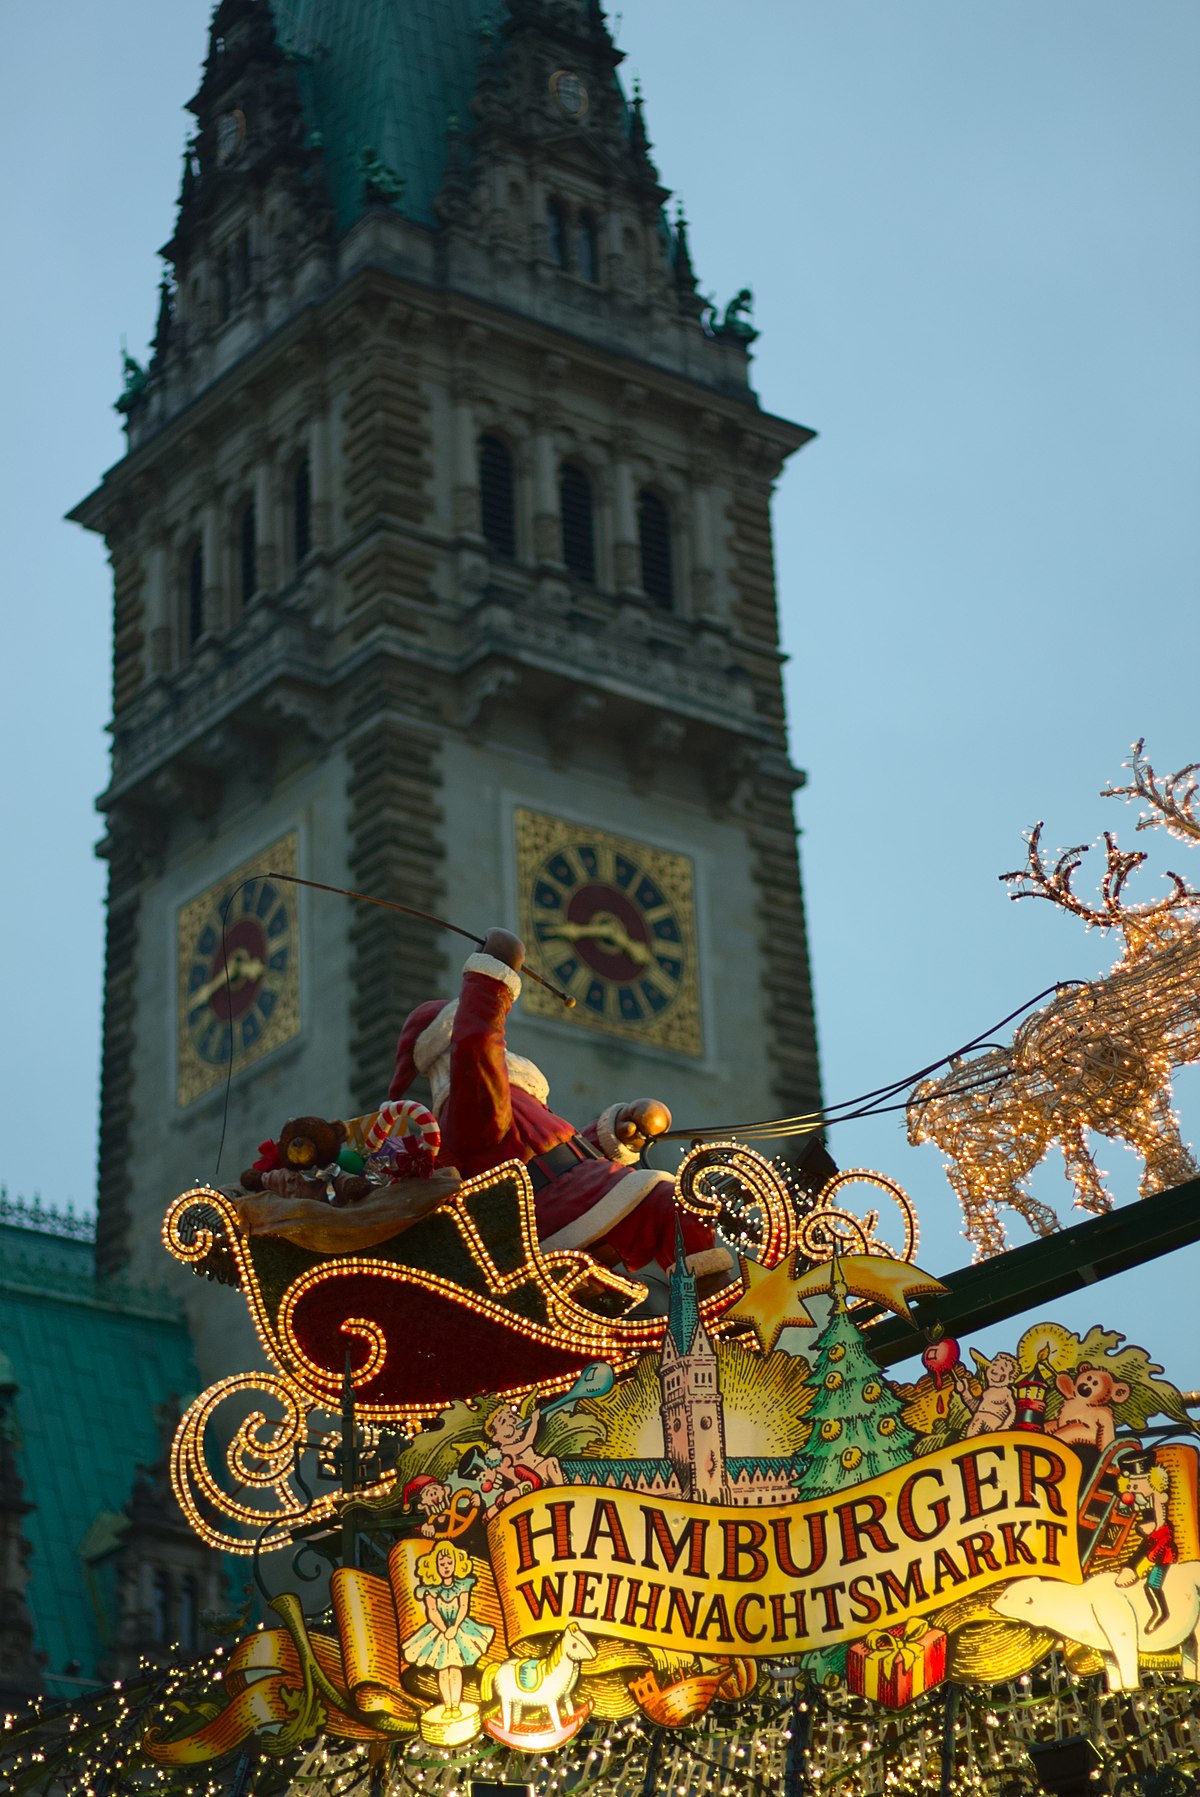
(309, 1161)
(1086, 1413)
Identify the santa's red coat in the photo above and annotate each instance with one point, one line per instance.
(618, 1211)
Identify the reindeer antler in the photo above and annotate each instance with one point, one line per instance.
(1035, 881)
(1172, 802)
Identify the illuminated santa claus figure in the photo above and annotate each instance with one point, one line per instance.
(589, 1191)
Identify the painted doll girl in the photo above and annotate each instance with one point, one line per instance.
(450, 1639)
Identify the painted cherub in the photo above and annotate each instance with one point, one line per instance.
(996, 1407)
(513, 1460)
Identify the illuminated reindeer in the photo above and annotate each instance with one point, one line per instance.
(1098, 1057)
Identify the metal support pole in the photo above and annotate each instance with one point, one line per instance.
(953, 1699)
(349, 1467)
(795, 1783)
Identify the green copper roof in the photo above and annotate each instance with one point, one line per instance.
(683, 1308)
(385, 76)
(91, 1365)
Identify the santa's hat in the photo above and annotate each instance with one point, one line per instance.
(424, 1039)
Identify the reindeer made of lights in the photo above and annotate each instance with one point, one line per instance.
(1098, 1057)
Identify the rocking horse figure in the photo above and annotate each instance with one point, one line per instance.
(539, 1684)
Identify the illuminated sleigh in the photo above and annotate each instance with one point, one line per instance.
(465, 1301)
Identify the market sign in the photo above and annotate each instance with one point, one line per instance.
(731, 1497)
(794, 1577)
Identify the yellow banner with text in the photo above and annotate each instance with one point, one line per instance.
(786, 1578)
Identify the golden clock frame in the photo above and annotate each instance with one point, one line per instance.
(678, 1027)
(196, 1076)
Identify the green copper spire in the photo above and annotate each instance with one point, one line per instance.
(382, 77)
(683, 1309)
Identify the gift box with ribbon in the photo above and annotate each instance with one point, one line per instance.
(892, 1666)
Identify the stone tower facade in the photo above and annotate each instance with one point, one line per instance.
(693, 1412)
(442, 571)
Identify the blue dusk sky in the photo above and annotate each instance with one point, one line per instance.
(972, 232)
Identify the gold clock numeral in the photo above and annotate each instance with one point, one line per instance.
(582, 876)
(579, 981)
(606, 861)
(655, 976)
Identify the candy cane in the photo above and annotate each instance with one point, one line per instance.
(401, 1120)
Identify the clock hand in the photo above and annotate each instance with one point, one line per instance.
(242, 969)
(608, 930)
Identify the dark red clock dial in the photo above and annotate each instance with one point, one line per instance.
(618, 927)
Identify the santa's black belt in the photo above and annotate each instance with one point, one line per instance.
(560, 1159)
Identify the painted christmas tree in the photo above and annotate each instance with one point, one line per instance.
(856, 1428)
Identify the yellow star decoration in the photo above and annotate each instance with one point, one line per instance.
(770, 1301)
(774, 1299)
(875, 1276)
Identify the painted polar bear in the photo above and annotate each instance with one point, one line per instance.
(1102, 1615)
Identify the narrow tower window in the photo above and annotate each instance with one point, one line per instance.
(556, 232)
(578, 529)
(188, 1613)
(160, 1610)
(247, 548)
(588, 255)
(497, 496)
(239, 264)
(301, 510)
(654, 541)
(195, 595)
(224, 290)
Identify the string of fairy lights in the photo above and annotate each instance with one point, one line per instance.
(796, 1740)
(792, 1737)
(1098, 1058)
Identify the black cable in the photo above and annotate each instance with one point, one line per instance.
(824, 1117)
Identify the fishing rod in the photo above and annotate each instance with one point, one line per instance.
(366, 898)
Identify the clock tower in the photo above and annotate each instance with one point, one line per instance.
(442, 571)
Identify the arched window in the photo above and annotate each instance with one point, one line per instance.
(248, 552)
(556, 232)
(301, 510)
(195, 595)
(587, 258)
(497, 496)
(188, 1613)
(160, 1609)
(578, 529)
(654, 541)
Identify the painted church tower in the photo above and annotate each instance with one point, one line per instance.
(693, 1412)
(442, 570)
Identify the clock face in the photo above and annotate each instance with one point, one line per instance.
(611, 921)
(238, 995)
(570, 95)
